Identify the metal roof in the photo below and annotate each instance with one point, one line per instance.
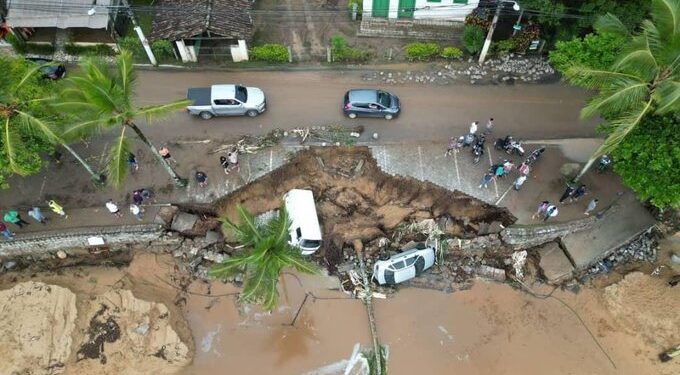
(62, 14)
(363, 96)
(181, 19)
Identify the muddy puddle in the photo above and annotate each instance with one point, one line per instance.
(489, 329)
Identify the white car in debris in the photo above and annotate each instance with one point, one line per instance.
(404, 266)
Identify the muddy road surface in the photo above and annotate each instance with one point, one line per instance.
(429, 112)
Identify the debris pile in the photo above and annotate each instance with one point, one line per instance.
(642, 249)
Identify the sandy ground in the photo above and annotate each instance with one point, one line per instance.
(488, 329)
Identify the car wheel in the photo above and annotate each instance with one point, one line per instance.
(252, 113)
(388, 116)
(352, 115)
(206, 115)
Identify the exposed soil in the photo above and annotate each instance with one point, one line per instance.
(357, 200)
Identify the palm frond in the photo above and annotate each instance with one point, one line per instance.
(248, 223)
(86, 128)
(229, 267)
(295, 259)
(126, 75)
(621, 127)
(279, 226)
(666, 15)
(619, 97)
(26, 77)
(638, 59)
(40, 126)
(597, 78)
(156, 111)
(116, 168)
(94, 93)
(667, 97)
(12, 143)
(76, 108)
(610, 23)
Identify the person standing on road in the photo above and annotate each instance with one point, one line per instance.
(524, 169)
(453, 146)
(591, 206)
(489, 126)
(37, 214)
(165, 154)
(541, 210)
(201, 178)
(136, 211)
(5, 231)
(567, 193)
(473, 127)
(486, 179)
(57, 209)
(12, 216)
(519, 182)
(113, 208)
(137, 197)
(225, 164)
(578, 193)
(508, 166)
(550, 212)
(132, 162)
(233, 160)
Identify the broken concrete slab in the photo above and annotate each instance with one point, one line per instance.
(213, 236)
(165, 215)
(183, 222)
(554, 263)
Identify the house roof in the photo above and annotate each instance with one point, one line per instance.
(63, 14)
(180, 19)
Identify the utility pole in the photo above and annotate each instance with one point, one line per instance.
(517, 26)
(140, 34)
(489, 35)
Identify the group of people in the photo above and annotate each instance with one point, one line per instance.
(470, 139)
(547, 210)
(228, 164)
(501, 170)
(14, 217)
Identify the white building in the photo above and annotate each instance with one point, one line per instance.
(445, 10)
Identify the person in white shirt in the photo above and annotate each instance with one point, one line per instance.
(136, 211)
(113, 208)
(473, 127)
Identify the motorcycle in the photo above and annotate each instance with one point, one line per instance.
(478, 149)
(469, 139)
(534, 155)
(605, 162)
(509, 145)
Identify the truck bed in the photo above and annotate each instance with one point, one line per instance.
(199, 96)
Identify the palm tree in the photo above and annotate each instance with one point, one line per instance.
(645, 79)
(101, 97)
(23, 114)
(268, 252)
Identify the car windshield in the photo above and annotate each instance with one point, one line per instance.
(310, 243)
(384, 99)
(241, 94)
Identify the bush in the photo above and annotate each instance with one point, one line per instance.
(272, 53)
(22, 47)
(95, 50)
(162, 49)
(473, 38)
(341, 52)
(421, 51)
(133, 45)
(503, 47)
(596, 51)
(451, 53)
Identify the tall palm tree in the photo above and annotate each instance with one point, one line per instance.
(102, 98)
(24, 114)
(268, 253)
(645, 79)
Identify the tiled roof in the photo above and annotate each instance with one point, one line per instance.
(180, 19)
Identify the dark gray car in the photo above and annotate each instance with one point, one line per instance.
(371, 103)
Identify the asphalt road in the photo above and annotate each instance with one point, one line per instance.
(430, 112)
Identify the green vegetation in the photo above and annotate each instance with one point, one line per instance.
(503, 47)
(29, 48)
(267, 253)
(29, 128)
(100, 97)
(420, 51)
(644, 79)
(596, 51)
(473, 38)
(273, 53)
(340, 51)
(648, 160)
(451, 53)
(95, 50)
(162, 49)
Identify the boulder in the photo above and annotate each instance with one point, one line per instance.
(183, 222)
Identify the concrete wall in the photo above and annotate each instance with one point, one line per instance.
(444, 10)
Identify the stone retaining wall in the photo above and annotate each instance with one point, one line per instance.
(40, 242)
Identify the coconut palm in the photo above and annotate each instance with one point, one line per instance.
(101, 98)
(267, 254)
(645, 78)
(24, 115)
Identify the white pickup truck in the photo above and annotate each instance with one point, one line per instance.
(226, 100)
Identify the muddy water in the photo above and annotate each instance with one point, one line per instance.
(248, 341)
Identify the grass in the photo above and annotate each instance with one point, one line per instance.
(143, 18)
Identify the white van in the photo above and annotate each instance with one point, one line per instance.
(305, 231)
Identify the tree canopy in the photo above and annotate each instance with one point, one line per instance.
(648, 160)
(595, 50)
